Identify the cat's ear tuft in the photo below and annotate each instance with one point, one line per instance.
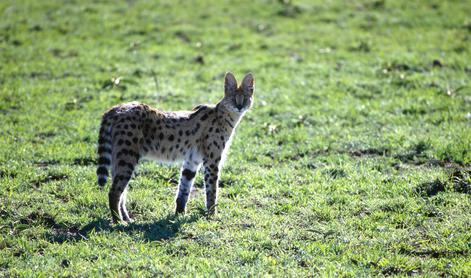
(230, 83)
(248, 83)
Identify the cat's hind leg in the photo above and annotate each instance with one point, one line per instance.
(125, 162)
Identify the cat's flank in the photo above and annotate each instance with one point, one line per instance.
(132, 131)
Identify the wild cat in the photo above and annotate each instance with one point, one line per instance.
(133, 131)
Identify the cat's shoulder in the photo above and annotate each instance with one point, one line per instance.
(202, 111)
(201, 107)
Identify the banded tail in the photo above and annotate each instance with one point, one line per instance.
(104, 151)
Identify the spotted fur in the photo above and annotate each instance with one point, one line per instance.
(132, 131)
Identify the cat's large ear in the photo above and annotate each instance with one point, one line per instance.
(230, 84)
(248, 83)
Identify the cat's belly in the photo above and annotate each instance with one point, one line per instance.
(173, 156)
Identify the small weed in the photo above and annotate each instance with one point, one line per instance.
(85, 161)
(461, 180)
(429, 189)
(335, 173)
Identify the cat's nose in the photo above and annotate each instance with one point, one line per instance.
(239, 106)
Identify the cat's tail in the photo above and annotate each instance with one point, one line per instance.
(104, 150)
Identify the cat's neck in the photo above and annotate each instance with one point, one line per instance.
(227, 117)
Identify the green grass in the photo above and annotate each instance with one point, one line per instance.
(354, 161)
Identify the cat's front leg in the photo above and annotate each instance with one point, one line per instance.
(211, 182)
(187, 178)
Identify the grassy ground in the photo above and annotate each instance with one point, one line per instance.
(354, 161)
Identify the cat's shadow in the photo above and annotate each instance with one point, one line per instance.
(163, 229)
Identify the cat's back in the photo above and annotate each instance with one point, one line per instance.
(135, 112)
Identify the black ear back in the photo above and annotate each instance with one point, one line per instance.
(230, 83)
(248, 83)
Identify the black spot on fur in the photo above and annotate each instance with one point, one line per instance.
(102, 171)
(135, 155)
(188, 174)
(171, 137)
(104, 161)
(102, 149)
(161, 136)
(102, 140)
(229, 123)
(101, 181)
(205, 116)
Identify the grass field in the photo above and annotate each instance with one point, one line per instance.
(355, 159)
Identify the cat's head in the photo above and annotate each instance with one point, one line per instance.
(238, 99)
